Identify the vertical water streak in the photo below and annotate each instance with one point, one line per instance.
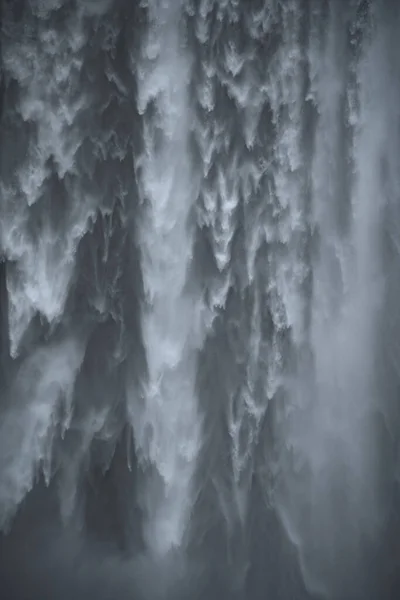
(166, 421)
(42, 133)
(331, 505)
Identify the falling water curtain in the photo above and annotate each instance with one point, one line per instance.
(199, 286)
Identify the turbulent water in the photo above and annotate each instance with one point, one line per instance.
(199, 291)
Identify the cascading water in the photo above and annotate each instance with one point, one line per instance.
(337, 444)
(168, 410)
(199, 208)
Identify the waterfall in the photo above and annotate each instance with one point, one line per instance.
(199, 267)
(166, 420)
(337, 445)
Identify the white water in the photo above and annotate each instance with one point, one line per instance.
(46, 68)
(265, 152)
(335, 506)
(166, 420)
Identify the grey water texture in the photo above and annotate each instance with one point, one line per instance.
(199, 300)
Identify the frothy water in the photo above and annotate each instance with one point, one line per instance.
(199, 294)
(166, 419)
